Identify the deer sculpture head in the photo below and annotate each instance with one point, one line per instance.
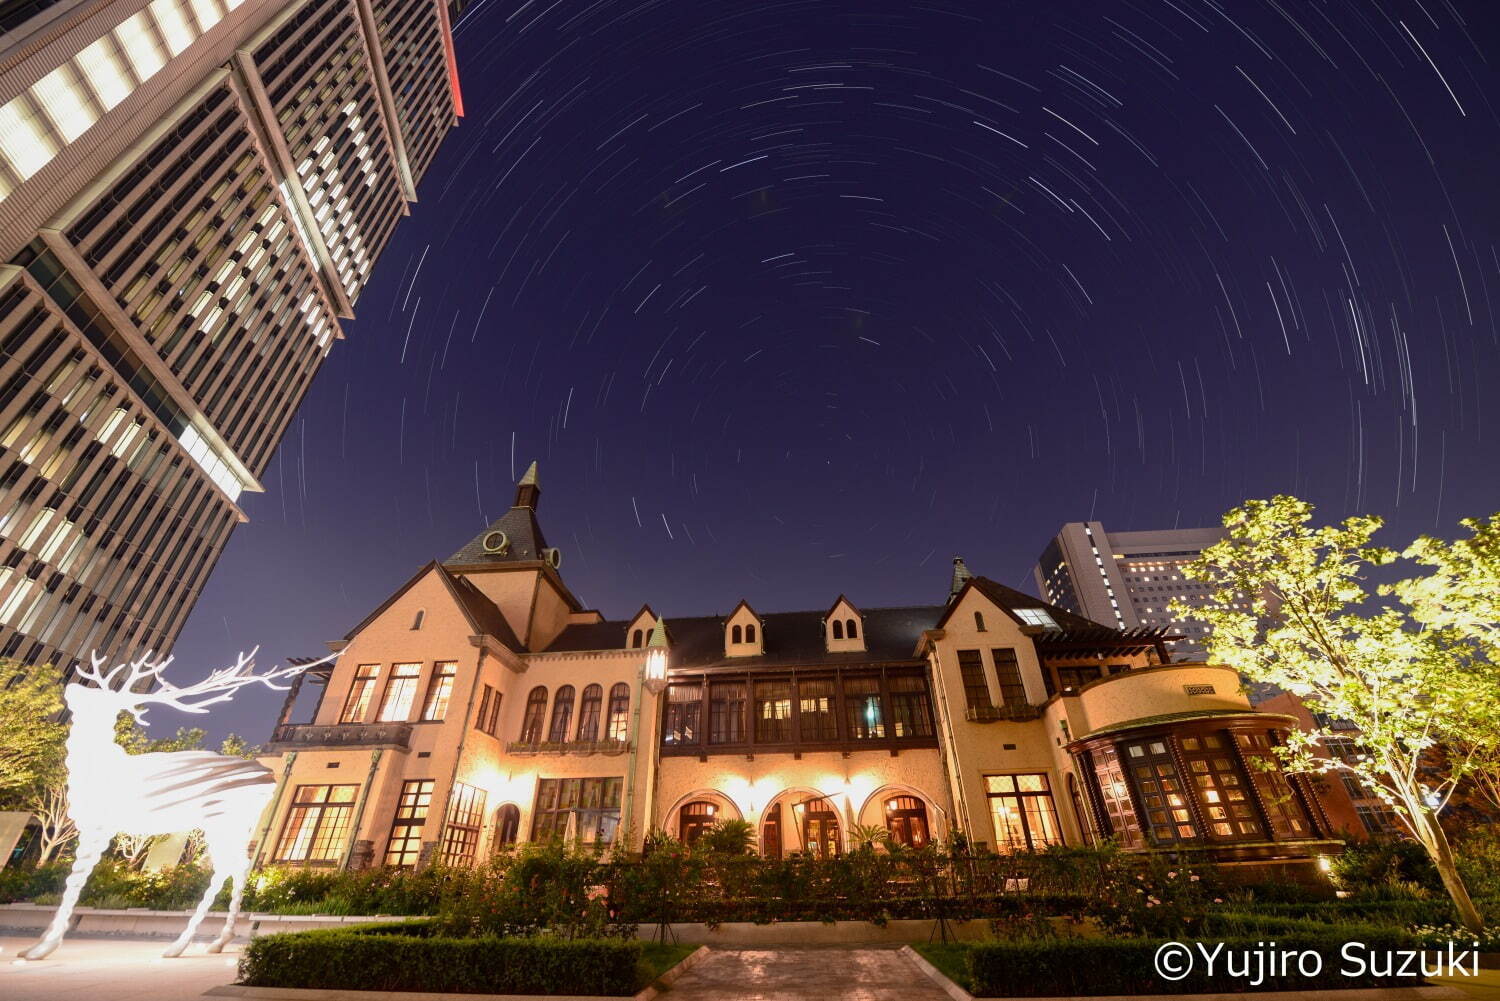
(112, 792)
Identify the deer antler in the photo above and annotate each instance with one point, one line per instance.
(219, 686)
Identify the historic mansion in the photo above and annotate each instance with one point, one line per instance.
(481, 706)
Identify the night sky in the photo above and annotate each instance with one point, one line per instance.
(798, 298)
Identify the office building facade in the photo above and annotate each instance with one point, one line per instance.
(1128, 579)
(193, 194)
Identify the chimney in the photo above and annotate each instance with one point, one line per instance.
(528, 490)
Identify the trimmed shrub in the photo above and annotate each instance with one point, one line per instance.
(1083, 967)
(410, 958)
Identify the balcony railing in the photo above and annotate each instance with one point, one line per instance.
(289, 736)
(1014, 712)
(568, 747)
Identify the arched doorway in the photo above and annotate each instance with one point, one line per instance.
(507, 826)
(770, 833)
(906, 819)
(694, 818)
(821, 836)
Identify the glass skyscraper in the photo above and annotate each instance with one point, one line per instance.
(193, 193)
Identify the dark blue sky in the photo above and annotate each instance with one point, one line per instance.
(795, 298)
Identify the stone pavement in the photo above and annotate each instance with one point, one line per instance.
(113, 969)
(808, 974)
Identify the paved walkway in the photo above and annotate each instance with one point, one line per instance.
(790, 974)
(113, 969)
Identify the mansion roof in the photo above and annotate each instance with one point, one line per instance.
(791, 638)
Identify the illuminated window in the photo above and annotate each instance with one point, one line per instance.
(536, 712)
(439, 690)
(488, 719)
(911, 707)
(586, 810)
(317, 824)
(863, 707)
(815, 709)
(361, 694)
(1163, 796)
(588, 713)
(694, 818)
(906, 819)
(562, 715)
(404, 849)
(1223, 794)
(684, 703)
(400, 693)
(1037, 617)
(976, 689)
(1283, 807)
(619, 712)
(1023, 812)
(773, 712)
(461, 832)
(726, 712)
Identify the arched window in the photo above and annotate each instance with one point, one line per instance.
(749, 634)
(906, 819)
(619, 712)
(838, 629)
(695, 818)
(588, 712)
(979, 621)
(507, 825)
(562, 715)
(416, 623)
(635, 640)
(536, 712)
(851, 629)
(736, 635)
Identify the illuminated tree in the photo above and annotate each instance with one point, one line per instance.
(31, 741)
(1406, 665)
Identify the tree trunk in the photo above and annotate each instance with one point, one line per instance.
(1447, 867)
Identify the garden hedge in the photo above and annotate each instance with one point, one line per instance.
(407, 958)
(1102, 967)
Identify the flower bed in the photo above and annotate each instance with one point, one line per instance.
(408, 957)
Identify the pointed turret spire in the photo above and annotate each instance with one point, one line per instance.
(961, 574)
(529, 489)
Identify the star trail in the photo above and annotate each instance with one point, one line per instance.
(798, 298)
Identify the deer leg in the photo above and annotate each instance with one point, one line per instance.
(238, 874)
(90, 847)
(215, 882)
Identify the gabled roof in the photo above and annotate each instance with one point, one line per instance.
(1009, 599)
(735, 610)
(482, 614)
(792, 639)
(841, 600)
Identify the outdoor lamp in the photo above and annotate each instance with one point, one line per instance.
(656, 658)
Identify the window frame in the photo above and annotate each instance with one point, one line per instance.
(331, 822)
(439, 691)
(363, 688)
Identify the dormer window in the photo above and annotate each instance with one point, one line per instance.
(636, 639)
(841, 627)
(1037, 617)
(416, 623)
(741, 638)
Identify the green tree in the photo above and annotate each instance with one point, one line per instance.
(1289, 604)
(31, 739)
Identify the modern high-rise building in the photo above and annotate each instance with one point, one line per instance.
(192, 194)
(1128, 579)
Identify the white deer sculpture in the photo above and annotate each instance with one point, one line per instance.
(111, 791)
